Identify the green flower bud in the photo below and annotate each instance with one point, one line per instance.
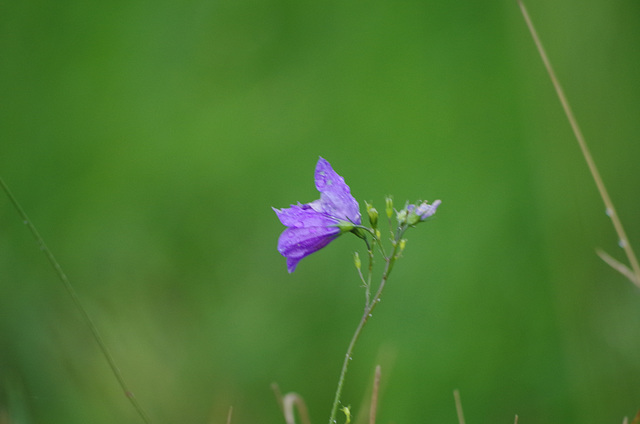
(403, 244)
(389, 206)
(356, 260)
(373, 215)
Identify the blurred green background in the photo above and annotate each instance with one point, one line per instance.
(148, 142)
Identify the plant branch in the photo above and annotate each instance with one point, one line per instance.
(368, 310)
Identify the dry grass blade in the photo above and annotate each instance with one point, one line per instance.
(515, 420)
(636, 419)
(229, 415)
(374, 396)
(290, 401)
(618, 266)
(278, 394)
(611, 211)
(456, 396)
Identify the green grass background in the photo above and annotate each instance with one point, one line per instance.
(148, 142)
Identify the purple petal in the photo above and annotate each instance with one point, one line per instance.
(300, 242)
(292, 263)
(336, 198)
(297, 243)
(300, 216)
(426, 210)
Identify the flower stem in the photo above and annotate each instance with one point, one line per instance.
(76, 300)
(368, 310)
(367, 296)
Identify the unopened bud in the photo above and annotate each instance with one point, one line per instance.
(402, 245)
(389, 206)
(356, 260)
(373, 215)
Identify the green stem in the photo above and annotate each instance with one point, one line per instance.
(76, 300)
(368, 310)
(369, 275)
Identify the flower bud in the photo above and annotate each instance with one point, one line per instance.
(389, 206)
(373, 215)
(356, 260)
(403, 244)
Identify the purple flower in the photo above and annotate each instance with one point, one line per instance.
(425, 210)
(314, 225)
(414, 214)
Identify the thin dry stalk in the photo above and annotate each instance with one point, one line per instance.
(633, 276)
(515, 421)
(278, 394)
(456, 396)
(618, 266)
(79, 306)
(374, 396)
(229, 415)
(288, 402)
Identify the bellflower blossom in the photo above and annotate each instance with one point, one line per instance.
(314, 225)
(423, 210)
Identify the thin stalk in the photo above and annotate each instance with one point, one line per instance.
(76, 300)
(369, 275)
(611, 210)
(368, 310)
(456, 397)
(373, 410)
